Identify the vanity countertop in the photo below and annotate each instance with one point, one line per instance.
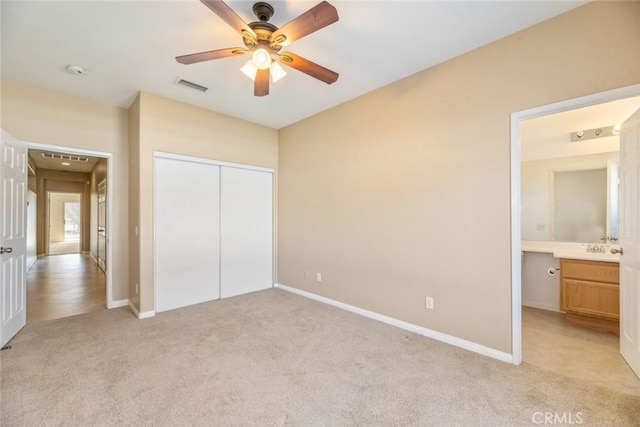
(584, 255)
(570, 250)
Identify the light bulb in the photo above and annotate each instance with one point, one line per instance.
(276, 71)
(261, 59)
(249, 69)
(616, 129)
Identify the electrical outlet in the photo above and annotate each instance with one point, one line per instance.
(541, 227)
(306, 274)
(319, 277)
(428, 302)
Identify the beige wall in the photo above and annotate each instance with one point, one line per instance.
(31, 176)
(32, 215)
(171, 126)
(41, 116)
(405, 192)
(134, 202)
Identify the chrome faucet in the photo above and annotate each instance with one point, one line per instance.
(598, 249)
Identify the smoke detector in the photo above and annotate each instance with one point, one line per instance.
(76, 70)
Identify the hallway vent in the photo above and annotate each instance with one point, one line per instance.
(65, 157)
(191, 85)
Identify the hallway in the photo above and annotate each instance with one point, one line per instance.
(64, 285)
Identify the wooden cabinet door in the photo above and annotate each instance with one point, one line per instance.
(591, 298)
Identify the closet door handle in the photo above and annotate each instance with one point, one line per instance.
(5, 250)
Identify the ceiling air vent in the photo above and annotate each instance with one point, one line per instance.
(64, 157)
(191, 85)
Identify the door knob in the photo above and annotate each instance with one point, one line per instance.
(5, 250)
(616, 251)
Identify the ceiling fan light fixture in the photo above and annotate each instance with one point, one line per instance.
(261, 58)
(264, 41)
(276, 71)
(250, 70)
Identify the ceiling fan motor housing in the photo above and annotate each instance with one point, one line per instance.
(264, 11)
(262, 28)
(263, 31)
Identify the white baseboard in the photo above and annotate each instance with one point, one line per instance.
(439, 336)
(119, 303)
(93, 257)
(139, 315)
(541, 306)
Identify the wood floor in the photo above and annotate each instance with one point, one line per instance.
(550, 343)
(64, 285)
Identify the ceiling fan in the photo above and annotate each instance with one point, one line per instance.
(265, 41)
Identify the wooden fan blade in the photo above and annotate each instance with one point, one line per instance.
(227, 14)
(261, 86)
(308, 67)
(317, 17)
(209, 55)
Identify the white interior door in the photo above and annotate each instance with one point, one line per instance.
(13, 237)
(247, 231)
(187, 233)
(630, 242)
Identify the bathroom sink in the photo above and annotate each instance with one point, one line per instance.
(590, 256)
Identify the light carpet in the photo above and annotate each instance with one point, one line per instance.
(274, 358)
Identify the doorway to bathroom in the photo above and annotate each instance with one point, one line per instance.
(542, 150)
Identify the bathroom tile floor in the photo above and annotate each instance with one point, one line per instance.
(64, 285)
(548, 342)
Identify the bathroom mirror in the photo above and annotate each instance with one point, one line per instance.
(571, 199)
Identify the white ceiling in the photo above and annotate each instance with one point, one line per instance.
(549, 136)
(127, 46)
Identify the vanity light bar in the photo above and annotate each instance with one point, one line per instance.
(602, 132)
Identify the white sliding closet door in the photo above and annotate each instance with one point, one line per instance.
(187, 233)
(247, 231)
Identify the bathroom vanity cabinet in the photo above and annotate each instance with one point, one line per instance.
(590, 294)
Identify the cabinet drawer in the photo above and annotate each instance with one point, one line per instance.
(591, 299)
(594, 271)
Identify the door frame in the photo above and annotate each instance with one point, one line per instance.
(110, 303)
(516, 242)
